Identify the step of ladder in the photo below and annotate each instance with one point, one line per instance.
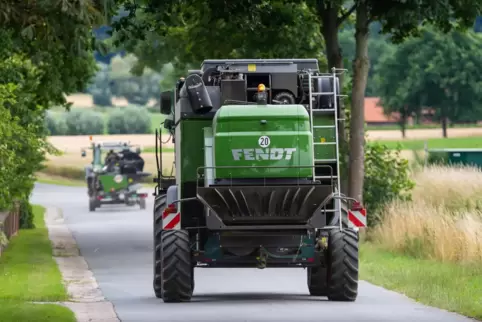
(324, 126)
(325, 160)
(324, 111)
(324, 143)
(322, 93)
(326, 177)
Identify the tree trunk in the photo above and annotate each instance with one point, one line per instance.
(361, 65)
(444, 126)
(403, 127)
(328, 14)
(403, 121)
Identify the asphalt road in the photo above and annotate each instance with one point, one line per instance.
(117, 244)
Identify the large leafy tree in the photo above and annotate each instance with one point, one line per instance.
(45, 53)
(436, 70)
(400, 18)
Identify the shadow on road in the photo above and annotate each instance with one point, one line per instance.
(257, 297)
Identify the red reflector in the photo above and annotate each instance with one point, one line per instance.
(99, 197)
(171, 209)
(143, 195)
(311, 259)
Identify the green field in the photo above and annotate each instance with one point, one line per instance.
(418, 127)
(28, 273)
(436, 143)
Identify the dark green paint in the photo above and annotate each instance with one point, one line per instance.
(108, 183)
(192, 148)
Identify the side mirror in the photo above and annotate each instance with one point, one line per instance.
(138, 150)
(166, 102)
(83, 154)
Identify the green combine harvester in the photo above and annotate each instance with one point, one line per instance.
(114, 174)
(257, 178)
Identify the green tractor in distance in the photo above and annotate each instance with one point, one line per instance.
(114, 174)
(257, 178)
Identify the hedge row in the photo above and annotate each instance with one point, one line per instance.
(125, 120)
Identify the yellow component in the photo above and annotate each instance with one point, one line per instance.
(130, 180)
(323, 140)
(261, 88)
(182, 78)
(251, 67)
(323, 243)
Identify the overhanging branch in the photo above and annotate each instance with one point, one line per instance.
(340, 20)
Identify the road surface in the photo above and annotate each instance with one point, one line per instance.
(116, 242)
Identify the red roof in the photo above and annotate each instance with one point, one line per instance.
(374, 113)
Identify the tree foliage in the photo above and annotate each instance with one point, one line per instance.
(437, 71)
(45, 53)
(185, 33)
(129, 120)
(386, 178)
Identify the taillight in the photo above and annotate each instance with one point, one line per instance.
(170, 209)
(143, 195)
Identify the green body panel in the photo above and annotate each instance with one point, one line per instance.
(469, 157)
(324, 135)
(108, 182)
(192, 148)
(238, 128)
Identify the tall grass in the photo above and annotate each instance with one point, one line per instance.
(444, 220)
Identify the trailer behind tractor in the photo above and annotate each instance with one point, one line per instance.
(257, 178)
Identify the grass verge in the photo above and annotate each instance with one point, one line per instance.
(28, 273)
(436, 143)
(448, 286)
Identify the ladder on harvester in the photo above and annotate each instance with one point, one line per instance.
(332, 111)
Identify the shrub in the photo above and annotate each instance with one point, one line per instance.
(26, 215)
(101, 98)
(84, 122)
(129, 120)
(387, 178)
(55, 123)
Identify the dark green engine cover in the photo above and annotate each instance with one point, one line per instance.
(257, 136)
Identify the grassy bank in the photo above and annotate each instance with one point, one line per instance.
(28, 273)
(436, 143)
(431, 247)
(448, 286)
